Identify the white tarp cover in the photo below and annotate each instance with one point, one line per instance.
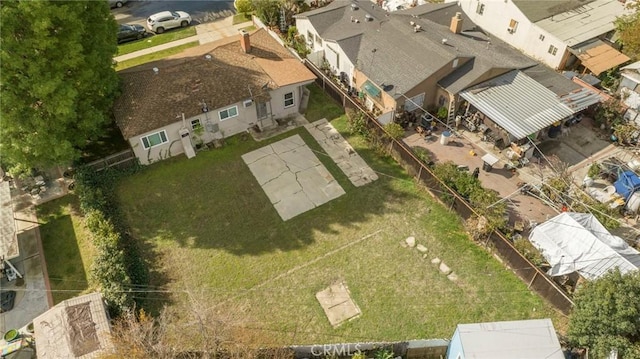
(578, 242)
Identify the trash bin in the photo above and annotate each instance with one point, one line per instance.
(486, 167)
(444, 138)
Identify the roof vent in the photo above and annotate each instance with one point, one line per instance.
(412, 23)
(207, 57)
(368, 17)
(444, 41)
(156, 70)
(417, 28)
(354, 7)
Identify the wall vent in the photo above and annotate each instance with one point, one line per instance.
(247, 103)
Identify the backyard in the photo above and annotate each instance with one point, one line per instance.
(211, 232)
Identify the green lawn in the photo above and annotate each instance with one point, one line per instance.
(154, 56)
(320, 106)
(155, 40)
(210, 229)
(67, 247)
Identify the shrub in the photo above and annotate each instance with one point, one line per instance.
(357, 123)
(244, 6)
(117, 265)
(529, 251)
(394, 130)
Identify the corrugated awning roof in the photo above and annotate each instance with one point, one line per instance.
(517, 103)
(599, 56)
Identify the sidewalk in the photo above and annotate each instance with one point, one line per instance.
(205, 33)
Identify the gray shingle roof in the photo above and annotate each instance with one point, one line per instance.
(542, 9)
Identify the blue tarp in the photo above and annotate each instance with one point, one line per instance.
(628, 182)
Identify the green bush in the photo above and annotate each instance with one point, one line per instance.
(529, 251)
(394, 130)
(357, 123)
(117, 265)
(244, 6)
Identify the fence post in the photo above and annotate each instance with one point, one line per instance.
(535, 274)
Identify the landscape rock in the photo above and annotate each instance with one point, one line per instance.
(421, 248)
(436, 260)
(444, 268)
(411, 241)
(452, 276)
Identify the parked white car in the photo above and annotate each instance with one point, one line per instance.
(166, 20)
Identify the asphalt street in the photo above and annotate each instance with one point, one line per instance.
(136, 12)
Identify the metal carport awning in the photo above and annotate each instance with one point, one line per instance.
(517, 103)
(598, 56)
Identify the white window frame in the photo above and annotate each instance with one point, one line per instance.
(159, 133)
(541, 37)
(552, 50)
(227, 112)
(480, 9)
(292, 99)
(513, 26)
(196, 123)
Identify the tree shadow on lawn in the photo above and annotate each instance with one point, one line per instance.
(214, 201)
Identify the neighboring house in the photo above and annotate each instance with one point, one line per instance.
(75, 328)
(208, 93)
(630, 90)
(563, 34)
(428, 57)
(522, 339)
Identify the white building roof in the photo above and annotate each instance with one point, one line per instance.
(518, 103)
(584, 23)
(75, 328)
(522, 339)
(577, 242)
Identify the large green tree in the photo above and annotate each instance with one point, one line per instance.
(606, 316)
(628, 27)
(58, 79)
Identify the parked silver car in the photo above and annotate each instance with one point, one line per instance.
(166, 20)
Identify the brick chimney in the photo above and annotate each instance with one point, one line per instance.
(456, 23)
(245, 43)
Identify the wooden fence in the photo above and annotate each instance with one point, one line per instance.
(123, 159)
(533, 276)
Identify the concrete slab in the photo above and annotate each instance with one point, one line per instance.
(341, 153)
(292, 177)
(337, 304)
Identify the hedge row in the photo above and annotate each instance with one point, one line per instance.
(117, 267)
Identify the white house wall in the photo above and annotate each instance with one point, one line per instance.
(246, 118)
(496, 19)
(332, 52)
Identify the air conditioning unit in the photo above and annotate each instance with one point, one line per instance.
(247, 103)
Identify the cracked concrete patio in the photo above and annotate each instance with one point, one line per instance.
(292, 176)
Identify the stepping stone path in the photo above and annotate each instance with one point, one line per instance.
(452, 277)
(421, 248)
(436, 260)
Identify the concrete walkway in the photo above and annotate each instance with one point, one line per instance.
(205, 33)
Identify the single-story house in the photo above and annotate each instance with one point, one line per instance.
(578, 242)
(207, 93)
(522, 339)
(75, 328)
